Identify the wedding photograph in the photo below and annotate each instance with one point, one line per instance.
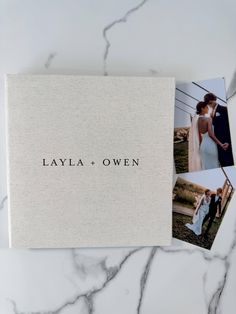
(202, 137)
(200, 202)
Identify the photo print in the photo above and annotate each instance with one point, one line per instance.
(202, 139)
(200, 202)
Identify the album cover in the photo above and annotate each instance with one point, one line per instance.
(90, 160)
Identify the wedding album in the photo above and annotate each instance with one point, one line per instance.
(89, 160)
(204, 161)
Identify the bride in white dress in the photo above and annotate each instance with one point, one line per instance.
(200, 213)
(203, 151)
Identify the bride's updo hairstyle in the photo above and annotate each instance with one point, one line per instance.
(206, 191)
(200, 106)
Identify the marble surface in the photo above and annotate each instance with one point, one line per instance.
(191, 40)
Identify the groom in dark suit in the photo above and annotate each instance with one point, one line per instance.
(220, 121)
(215, 204)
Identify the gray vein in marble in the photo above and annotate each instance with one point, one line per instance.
(87, 296)
(231, 92)
(89, 302)
(3, 202)
(153, 72)
(204, 279)
(15, 310)
(107, 28)
(208, 256)
(232, 95)
(214, 303)
(145, 277)
(83, 270)
(49, 60)
(216, 298)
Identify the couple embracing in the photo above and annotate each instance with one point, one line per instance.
(206, 211)
(209, 136)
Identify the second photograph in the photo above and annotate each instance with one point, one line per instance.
(200, 202)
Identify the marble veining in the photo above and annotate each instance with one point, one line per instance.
(144, 277)
(89, 295)
(108, 27)
(231, 92)
(110, 274)
(3, 202)
(85, 268)
(50, 59)
(212, 301)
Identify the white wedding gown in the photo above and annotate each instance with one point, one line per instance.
(201, 156)
(208, 152)
(203, 210)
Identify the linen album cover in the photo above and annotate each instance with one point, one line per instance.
(90, 160)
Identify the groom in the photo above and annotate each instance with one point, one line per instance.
(220, 122)
(215, 204)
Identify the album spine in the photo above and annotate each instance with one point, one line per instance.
(7, 161)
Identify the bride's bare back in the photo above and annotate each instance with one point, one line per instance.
(203, 124)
